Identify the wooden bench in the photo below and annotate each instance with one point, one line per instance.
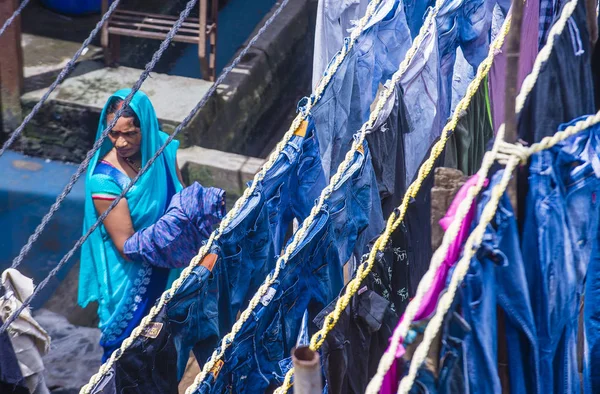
(201, 31)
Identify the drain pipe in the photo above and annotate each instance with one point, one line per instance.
(307, 371)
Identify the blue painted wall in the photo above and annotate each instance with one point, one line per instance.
(28, 187)
(236, 21)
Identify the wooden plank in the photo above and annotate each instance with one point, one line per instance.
(150, 20)
(11, 70)
(145, 26)
(152, 35)
(174, 18)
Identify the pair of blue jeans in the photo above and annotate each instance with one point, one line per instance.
(497, 278)
(561, 225)
(310, 279)
(345, 103)
(294, 182)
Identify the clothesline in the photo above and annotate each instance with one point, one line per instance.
(510, 155)
(166, 296)
(450, 235)
(396, 218)
(14, 16)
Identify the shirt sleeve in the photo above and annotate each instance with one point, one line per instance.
(103, 187)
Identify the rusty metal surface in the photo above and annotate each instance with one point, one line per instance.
(11, 70)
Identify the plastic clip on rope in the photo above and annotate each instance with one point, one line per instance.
(395, 219)
(240, 202)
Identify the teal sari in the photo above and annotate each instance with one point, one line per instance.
(126, 290)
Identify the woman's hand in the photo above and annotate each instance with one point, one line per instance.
(118, 222)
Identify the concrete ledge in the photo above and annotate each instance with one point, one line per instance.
(228, 171)
(65, 128)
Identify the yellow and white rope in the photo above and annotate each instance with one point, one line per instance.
(166, 296)
(544, 54)
(512, 157)
(394, 221)
(527, 86)
(299, 235)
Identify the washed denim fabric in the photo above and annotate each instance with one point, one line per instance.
(564, 87)
(11, 378)
(386, 143)
(311, 278)
(421, 84)
(176, 237)
(452, 375)
(149, 365)
(353, 348)
(591, 311)
(334, 21)
(293, 183)
(194, 315)
(561, 226)
(497, 277)
(345, 103)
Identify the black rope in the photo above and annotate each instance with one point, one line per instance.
(179, 128)
(63, 74)
(14, 16)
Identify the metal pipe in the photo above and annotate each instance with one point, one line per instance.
(307, 371)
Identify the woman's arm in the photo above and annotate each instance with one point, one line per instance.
(179, 173)
(118, 223)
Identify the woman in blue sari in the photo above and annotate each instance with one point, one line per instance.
(125, 290)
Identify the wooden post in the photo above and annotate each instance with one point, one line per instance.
(11, 70)
(513, 47)
(204, 67)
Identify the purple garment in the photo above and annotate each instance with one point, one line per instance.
(528, 53)
(176, 237)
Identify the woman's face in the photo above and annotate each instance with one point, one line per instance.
(125, 137)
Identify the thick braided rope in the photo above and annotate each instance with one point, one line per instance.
(445, 302)
(544, 54)
(83, 166)
(395, 219)
(61, 77)
(14, 16)
(301, 232)
(241, 201)
(515, 156)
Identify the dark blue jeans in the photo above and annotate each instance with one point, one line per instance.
(560, 233)
(293, 183)
(497, 277)
(311, 278)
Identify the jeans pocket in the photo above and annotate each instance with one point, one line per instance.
(473, 281)
(273, 338)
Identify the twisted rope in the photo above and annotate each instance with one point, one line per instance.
(14, 16)
(511, 150)
(396, 218)
(544, 54)
(61, 77)
(166, 296)
(512, 157)
(82, 167)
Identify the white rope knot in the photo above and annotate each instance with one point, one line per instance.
(507, 150)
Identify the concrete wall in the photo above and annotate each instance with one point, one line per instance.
(279, 61)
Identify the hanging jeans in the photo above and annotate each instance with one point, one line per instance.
(311, 278)
(496, 277)
(561, 228)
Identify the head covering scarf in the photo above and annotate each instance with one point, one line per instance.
(104, 275)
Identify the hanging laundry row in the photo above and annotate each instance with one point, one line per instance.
(381, 107)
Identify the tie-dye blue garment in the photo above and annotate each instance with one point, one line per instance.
(178, 235)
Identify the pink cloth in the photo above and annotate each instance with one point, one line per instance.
(430, 299)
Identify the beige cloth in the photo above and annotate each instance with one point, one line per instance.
(28, 338)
